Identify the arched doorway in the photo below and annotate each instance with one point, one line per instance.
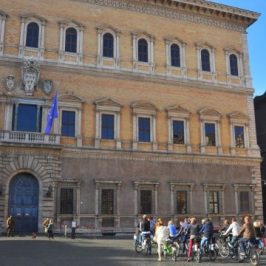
(24, 202)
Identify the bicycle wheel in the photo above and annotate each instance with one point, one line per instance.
(138, 247)
(254, 256)
(224, 251)
(198, 256)
(212, 255)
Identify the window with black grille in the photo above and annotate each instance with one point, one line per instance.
(213, 202)
(66, 201)
(107, 201)
(181, 202)
(244, 206)
(145, 201)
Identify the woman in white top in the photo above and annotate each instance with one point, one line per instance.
(161, 235)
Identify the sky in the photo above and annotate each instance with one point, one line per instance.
(256, 41)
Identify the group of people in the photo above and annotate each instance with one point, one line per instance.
(49, 227)
(190, 229)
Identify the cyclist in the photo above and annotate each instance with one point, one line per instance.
(161, 235)
(145, 227)
(194, 234)
(207, 231)
(172, 229)
(248, 233)
(235, 229)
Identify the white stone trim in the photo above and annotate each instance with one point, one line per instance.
(116, 37)
(78, 56)
(233, 141)
(230, 78)
(136, 63)
(25, 21)
(182, 50)
(246, 64)
(136, 129)
(217, 136)
(77, 122)
(212, 72)
(3, 17)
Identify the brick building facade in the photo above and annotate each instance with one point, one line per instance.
(155, 107)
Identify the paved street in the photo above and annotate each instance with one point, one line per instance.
(23, 251)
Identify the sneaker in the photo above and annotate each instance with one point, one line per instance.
(159, 259)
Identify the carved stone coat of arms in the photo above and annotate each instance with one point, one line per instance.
(30, 76)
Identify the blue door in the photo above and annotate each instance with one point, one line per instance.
(24, 202)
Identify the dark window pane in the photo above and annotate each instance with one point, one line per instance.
(66, 201)
(107, 126)
(233, 65)
(108, 45)
(181, 202)
(213, 202)
(32, 39)
(210, 134)
(175, 55)
(71, 40)
(68, 124)
(239, 137)
(107, 201)
(27, 115)
(244, 202)
(145, 201)
(142, 50)
(178, 132)
(205, 60)
(144, 129)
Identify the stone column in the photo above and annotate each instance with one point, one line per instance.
(246, 66)
(22, 37)
(62, 42)
(99, 50)
(2, 33)
(97, 133)
(156, 199)
(96, 205)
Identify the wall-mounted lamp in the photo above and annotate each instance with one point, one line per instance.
(49, 191)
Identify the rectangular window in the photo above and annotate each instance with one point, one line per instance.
(27, 117)
(181, 202)
(66, 201)
(239, 137)
(145, 201)
(68, 123)
(178, 132)
(210, 134)
(214, 202)
(144, 129)
(107, 201)
(244, 202)
(107, 126)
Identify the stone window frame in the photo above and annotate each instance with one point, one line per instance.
(202, 46)
(63, 26)
(75, 185)
(182, 49)
(107, 184)
(3, 17)
(244, 188)
(136, 36)
(238, 119)
(67, 103)
(9, 111)
(25, 21)
(230, 78)
(148, 110)
(101, 30)
(107, 106)
(178, 113)
(220, 188)
(181, 186)
(146, 185)
(208, 115)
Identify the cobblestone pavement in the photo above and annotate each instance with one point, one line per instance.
(23, 251)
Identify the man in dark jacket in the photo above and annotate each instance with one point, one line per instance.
(207, 231)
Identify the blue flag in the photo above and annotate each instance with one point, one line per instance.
(53, 113)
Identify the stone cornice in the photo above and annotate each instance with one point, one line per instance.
(125, 74)
(160, 157)
(195, 11)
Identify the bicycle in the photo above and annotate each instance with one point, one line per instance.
(170, 249)
(251, 253)
(144, 247)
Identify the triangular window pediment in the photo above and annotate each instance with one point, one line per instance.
(238, 116)
(69, 98)
(107, 102)
(209, 112)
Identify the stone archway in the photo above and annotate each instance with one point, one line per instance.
(23, 202)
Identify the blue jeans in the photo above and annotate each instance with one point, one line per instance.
(242, 244)
(233, 241)
(204, 242)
